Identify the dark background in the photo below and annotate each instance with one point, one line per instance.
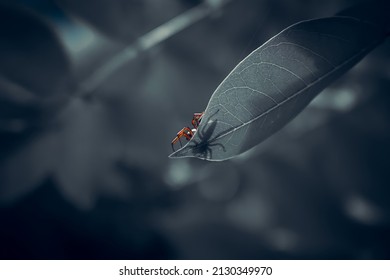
(89, 177)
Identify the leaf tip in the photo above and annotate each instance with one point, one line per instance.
(173, 155)
(179, 153)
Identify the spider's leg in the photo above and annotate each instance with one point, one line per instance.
(185, 132)
(177, 138)
(208, 152)
(204, 130)
(196, 119)
(174, 142)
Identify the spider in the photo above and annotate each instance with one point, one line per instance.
(204, 147)
(186, 131)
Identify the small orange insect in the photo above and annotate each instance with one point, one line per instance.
(186, 131)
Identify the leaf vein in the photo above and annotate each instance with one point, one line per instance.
(300, 91)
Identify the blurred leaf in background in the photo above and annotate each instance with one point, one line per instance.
(35, 83)
(35, 74)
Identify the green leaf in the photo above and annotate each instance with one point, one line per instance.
(278, 80)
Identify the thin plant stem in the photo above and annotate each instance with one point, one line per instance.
(146, 42)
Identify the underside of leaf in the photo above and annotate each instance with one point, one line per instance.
(277, 81)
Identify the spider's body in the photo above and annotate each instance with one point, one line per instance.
(187, 132)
